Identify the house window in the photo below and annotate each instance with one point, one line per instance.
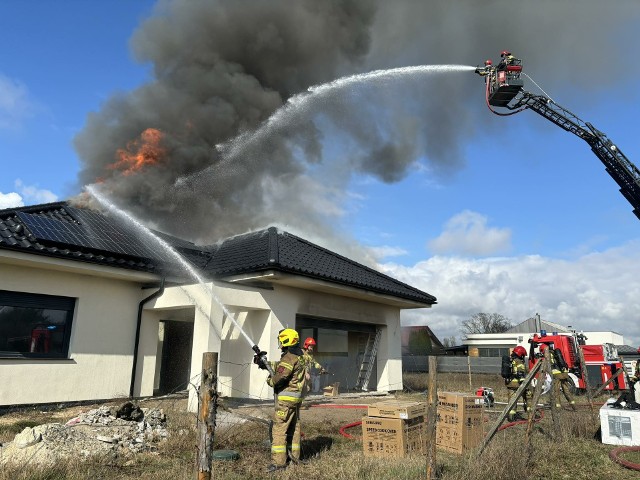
(35, 325)
(333, 341)
(493, 352)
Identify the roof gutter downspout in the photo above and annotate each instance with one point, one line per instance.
(137, 340)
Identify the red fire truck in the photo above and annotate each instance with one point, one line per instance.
(601, 361)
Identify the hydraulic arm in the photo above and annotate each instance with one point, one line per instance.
(510, 84)
(625, 173)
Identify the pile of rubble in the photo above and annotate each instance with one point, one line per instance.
(102, 431)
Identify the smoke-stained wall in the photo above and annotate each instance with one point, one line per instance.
(221, 68)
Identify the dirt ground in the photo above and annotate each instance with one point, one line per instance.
(334, 411)
(244, 428)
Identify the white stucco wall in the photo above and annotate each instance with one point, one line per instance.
(102, 336)
(261, 313)
(103, 331)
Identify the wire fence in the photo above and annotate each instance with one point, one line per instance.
(452, 364)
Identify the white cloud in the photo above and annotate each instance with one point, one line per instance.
(34, 195)
(10, 200)
(466, 233)
(15, 104)
(386, 251)
(595, 292)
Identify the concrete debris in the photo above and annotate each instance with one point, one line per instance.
(28, 437)
(101, 431)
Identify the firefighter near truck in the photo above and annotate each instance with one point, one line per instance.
(505, 95)
(601, 362)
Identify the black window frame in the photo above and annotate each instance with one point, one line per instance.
(41, 301)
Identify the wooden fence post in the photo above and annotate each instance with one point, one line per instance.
(553, 401)
(432, 412)
(207, 401)
(600, 389)
(535, 398)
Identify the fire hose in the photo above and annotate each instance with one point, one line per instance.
(499, 113)
(343, 429)
(521, 422)
(615, 456)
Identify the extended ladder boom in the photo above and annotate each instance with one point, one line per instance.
(505, 89)
(621, 169)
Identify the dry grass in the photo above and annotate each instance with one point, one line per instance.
(573, 453)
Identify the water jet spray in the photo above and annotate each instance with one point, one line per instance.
(261, 356)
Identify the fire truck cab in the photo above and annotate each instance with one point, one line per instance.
(601, 361)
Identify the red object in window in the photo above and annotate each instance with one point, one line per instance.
(40, 340)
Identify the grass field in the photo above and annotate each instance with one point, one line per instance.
(573, 453)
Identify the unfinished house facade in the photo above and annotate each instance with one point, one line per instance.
(90, 310)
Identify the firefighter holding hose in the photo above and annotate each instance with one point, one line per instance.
(288, 381)
(314, 369)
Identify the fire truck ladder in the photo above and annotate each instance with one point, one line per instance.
(368, 360)
(625, 173)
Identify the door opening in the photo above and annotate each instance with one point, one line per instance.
(177, 340)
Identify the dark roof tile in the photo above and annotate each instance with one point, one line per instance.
(271, 249)
(63, 231)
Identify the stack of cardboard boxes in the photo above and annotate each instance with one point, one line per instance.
(394, 428)
(460, 422)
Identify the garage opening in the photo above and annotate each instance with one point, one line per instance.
(344, 349)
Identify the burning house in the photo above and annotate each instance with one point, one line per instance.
(90, 310)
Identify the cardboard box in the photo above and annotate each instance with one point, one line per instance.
(393, 437)
(460, 402)
(331, 390)
(460, 421)
(397, 409)
(619, 426)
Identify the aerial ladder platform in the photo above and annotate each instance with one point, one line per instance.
(505, 89)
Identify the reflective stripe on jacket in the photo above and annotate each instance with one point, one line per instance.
(518, 368)
(288, 378)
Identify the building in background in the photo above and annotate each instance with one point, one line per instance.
(499, 344)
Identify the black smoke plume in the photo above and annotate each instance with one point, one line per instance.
(222, 68)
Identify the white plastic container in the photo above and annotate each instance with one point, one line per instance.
(620, 426)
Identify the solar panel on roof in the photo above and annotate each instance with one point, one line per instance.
(92, 231)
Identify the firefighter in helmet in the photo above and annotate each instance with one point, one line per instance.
(518, 373)
(314, 369)
(486, 70)
(560, 384)
(505, 59)
(288, 382)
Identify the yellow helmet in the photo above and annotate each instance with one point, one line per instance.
(288, 337)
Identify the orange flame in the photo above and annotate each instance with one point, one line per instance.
(140, 152)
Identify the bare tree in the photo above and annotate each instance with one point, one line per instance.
(486, 323)
(449, 341)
